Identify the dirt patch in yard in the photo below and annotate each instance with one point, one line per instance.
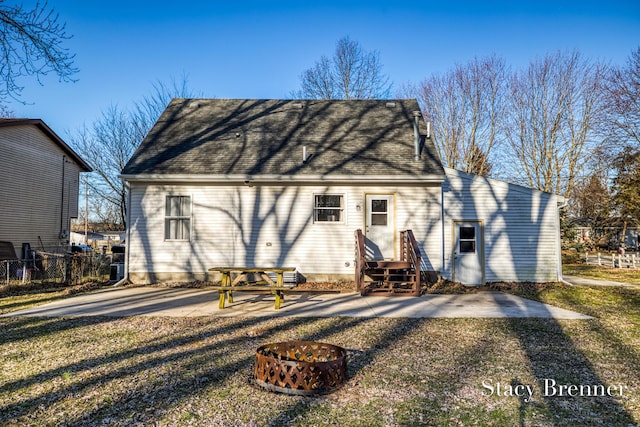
(440, 287)
(343, 286)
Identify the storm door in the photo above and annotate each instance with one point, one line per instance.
(380, 228)
(468, 253)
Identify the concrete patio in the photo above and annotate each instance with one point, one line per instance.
(181, 302)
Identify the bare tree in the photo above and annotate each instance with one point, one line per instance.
(108, 144)
(5, 112)
(352, 73)
(31, 45)
(623, 92)
(146, 112)
(555, 106)
(466, 107)
(110, 141)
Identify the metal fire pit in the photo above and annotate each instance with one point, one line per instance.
(300, 367)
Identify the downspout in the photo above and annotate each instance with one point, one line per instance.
(127, 251)
(559, 240)
(60, 235)
(442, 208)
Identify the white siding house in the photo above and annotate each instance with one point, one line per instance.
(514, 230)
(40, 181)
(269, 225)
(222, 183)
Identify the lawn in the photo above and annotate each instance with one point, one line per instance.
(402, 372)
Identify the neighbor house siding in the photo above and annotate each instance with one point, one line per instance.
(267, 225)
(520, 227)
(36, 204)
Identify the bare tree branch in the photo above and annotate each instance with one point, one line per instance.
(31, 45)
(111, 140)
(351, 73)
(623, 109)
(466, 107)
(556, 107)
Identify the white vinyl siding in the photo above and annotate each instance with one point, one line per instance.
(274, 226)
(520, 227)
(39, 188)
(268, 226)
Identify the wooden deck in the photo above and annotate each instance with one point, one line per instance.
(389, 278)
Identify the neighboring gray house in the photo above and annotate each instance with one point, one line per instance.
(40, 182)
(221, 182)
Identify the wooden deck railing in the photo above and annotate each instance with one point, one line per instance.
(410, 252)
(389, 277)
(361, 261)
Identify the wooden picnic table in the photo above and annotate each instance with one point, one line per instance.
(243, 282)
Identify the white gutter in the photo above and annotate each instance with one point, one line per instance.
(123, 281)
(125, 278)
(562, 203)
(442, 241)
(258, 179)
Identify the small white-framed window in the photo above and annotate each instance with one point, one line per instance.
(328, 208)
(467, 239)
(177, 220)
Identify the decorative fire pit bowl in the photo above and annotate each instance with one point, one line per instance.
(300, 367)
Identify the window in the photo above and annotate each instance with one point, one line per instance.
(328, 208)
(177, 222)
(467, 239)
(379, 212)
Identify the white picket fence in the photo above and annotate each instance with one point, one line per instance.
(613, 259)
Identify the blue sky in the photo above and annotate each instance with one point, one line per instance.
(258, 49)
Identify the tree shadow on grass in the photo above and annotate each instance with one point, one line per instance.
(399, 379)
(184, 360)
(188, 357)
(147, 369)
(141, 366)
(558, 362)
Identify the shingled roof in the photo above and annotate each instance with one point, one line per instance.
(267, 138)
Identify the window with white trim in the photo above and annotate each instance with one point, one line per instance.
(177, 220)
(328, 208)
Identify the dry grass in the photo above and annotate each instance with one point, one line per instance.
(196, 371)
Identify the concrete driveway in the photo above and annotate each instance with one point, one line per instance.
(179, 302)
(582, 281)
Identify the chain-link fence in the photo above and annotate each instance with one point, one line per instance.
(62, 268)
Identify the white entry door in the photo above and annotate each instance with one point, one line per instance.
(380, 228)
(468, 253)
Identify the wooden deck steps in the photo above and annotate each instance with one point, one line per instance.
(393, 265)
(389, 277)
